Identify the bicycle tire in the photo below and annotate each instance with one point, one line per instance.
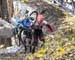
(36, 16)
(17, 41)
(16, 36)
(34, 12)
(24, 41)
(45, 13)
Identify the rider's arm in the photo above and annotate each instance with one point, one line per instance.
(31, 25)
(49, 26)
(18, 22)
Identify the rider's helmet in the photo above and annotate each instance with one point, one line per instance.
(40, 18)
(26, 17)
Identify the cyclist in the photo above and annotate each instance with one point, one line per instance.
(24, 25)
(37, 30)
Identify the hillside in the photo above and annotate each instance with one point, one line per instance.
(59, 45)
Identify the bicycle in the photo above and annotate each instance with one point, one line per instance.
(25, 37)
(44, 12)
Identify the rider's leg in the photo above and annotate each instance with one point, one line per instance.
(30, 45)
(35, 43)
(42, 38)
(29, 36)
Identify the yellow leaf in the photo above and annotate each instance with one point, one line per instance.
(61, 52)
(72, 47)
(41, 59)
(30, 57)
(51, 49)
(39, 55)
(40, 52)
(24, 1)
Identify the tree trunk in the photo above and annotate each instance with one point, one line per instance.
(6, 12)
(6, 9)
(10, 8)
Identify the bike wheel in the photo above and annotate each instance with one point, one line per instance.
(19, 38)
(17, 41)
(16, 36)
(23, 40)
(34, 14)
(45, 13)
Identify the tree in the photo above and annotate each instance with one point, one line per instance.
(6, 12)
(6, 9)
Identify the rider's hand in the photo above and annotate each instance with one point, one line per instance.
(20, 26)
(31, 18)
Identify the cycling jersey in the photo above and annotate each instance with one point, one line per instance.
(25, 23)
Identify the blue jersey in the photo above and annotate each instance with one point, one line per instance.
(24, 23)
